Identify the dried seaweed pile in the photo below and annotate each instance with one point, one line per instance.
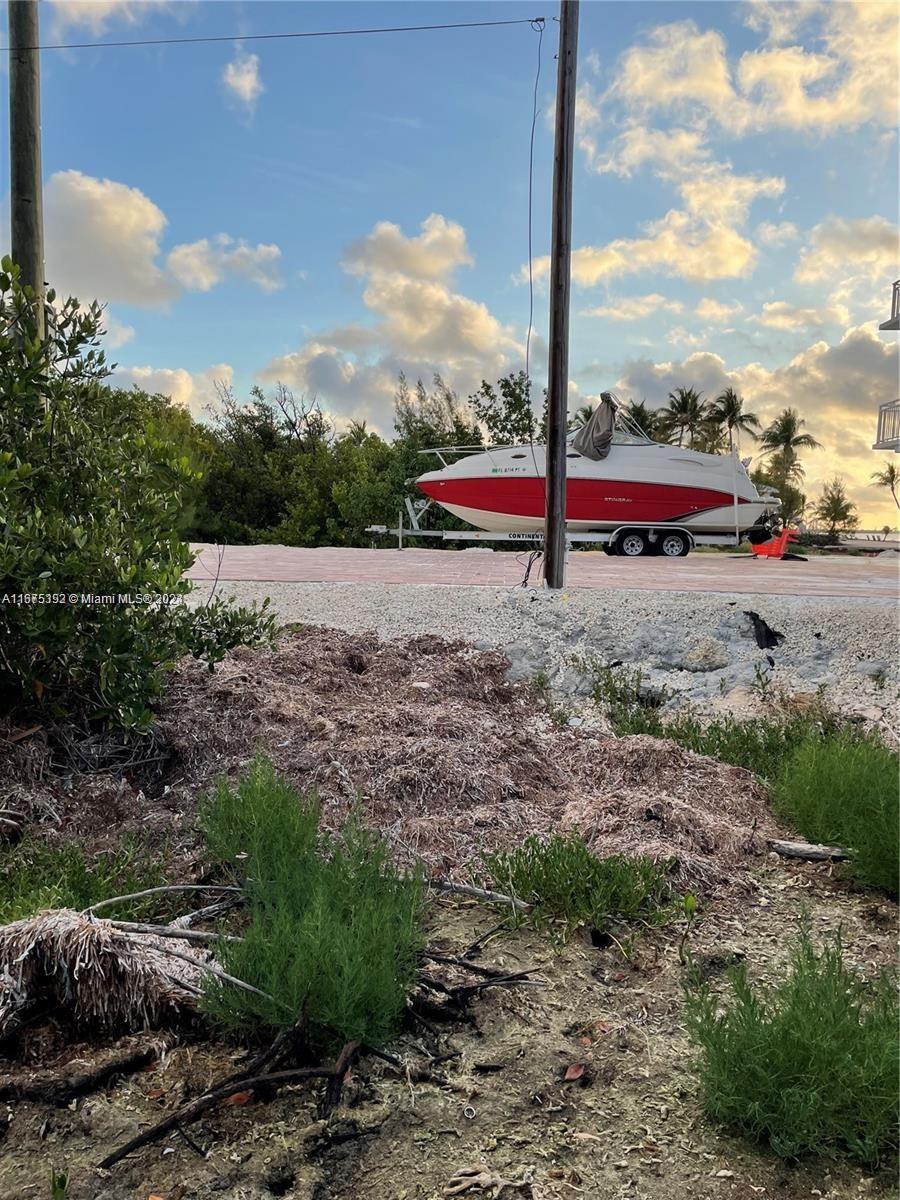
(448, 758)
(93, 974)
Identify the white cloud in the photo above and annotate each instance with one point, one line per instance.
(194, 392)
(421, 326)
(719, 197)
(634, 308)
(673, 151)
(117, 332)
(713, 310)
(676, 245)
(241, 79)
(200, 265)
(779, 21)
(677, 65)
(867, 246)
(435, 253)
(778, 314)
(104, 241)
(679, 336)
(97, 16)
(684, 71)
(777, 234)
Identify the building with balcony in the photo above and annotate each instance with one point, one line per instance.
(894, 322)
(888, 435)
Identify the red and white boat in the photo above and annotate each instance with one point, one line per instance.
(633, 482)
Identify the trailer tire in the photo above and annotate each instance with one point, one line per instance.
(632, 543)
(674, 544)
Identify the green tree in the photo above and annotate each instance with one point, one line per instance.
(793, 501)
(835, 508)
(506, 410)
(711, 438)
(424, 420)
(888, 478)
(581, 416)
(267, 457)
(364, 491)
(646, 419)
(783, 440)
(684, 414)
(90, 499)
(728, 410)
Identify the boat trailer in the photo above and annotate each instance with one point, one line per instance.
(630, 541)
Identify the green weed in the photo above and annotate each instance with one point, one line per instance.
(333, 926)
(35, 875)
(844, 791)
(760, 744)
(59, 1184)
(807, 1065)
(569, 886)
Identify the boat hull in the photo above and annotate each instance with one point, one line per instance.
(505, 490)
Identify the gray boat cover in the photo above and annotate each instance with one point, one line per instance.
(594, 437)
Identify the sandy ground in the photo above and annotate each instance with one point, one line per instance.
(700, 646)
(630, 1128)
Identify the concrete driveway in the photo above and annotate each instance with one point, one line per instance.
(842, 576)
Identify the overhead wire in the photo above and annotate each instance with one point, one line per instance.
(536, 23)
(271, 37)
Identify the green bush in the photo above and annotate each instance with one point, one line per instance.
(809, 1064)
(90, 501)
(333, 925)
(760, 744)
(569, 886)
(35, 875)
(844, 791)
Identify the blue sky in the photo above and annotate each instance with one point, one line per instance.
(330, 211)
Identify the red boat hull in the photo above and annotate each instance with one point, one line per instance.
(594, 501)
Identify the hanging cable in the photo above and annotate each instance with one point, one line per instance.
(537, 24)
(272, 37)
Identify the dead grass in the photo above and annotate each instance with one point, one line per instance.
(90, 974)
(450, 760)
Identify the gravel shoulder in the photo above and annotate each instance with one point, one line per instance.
(700, 646)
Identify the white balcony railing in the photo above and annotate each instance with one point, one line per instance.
(888, 436)
(894, 322)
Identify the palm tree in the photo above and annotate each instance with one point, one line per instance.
(711, 437)
(728, 410)
(783, 440)
(582, 415)
(646, 419)
(888, 478)
(785, 468)
(836, 508)
(686, 412)
(357, 432)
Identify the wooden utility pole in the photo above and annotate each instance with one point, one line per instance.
(560, 273)
(26, 196)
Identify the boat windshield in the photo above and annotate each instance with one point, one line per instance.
(626, 431)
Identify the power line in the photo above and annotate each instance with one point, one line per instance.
(271, 37)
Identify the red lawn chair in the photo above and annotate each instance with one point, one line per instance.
(778, 546)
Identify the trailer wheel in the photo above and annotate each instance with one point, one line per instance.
(632, 543)
(674, 545)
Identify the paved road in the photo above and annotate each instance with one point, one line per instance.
(843, 577)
